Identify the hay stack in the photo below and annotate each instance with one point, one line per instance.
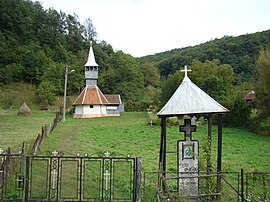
(24, 110)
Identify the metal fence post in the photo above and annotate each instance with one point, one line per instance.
(138, 179)
(2, 171)
(242, 185)
(26, 188)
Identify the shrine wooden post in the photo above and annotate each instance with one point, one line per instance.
(162, 153)
(219, 154)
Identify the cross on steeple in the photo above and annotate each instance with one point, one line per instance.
(188, 129)
(186, 70)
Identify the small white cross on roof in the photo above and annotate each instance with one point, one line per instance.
(186, 70)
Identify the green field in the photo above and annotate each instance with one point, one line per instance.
(15, 129)
(130, 134)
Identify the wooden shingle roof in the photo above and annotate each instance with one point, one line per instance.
(113, 99)
(91, 95)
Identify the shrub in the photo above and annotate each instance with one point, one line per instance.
(139, 106)
(260, 124)
(239, 114)
(46, 94)
(152, 117)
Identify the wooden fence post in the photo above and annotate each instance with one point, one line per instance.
(36, 144)
(56, 120)
(42, 135)
(138, 179)
(47, 129)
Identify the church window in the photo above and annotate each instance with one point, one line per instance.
(91, 106)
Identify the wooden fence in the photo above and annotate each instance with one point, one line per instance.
(45, 131)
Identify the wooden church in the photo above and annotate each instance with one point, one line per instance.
(92, 102)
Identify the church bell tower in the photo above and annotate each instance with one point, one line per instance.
(91, 68)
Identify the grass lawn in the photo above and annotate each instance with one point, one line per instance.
(15, 129)
(129, 134)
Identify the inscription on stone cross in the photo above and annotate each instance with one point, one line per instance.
(188, 151)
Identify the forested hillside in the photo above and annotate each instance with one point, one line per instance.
(37, 44)
(240, 52)
(227, 69)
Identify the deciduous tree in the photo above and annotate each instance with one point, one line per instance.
(263, 82)
(151, 74)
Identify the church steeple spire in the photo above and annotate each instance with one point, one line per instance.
(91, 62)
(91, 68)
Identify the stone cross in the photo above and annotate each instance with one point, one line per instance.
(186, 70)
(188, 164)
(188, 129)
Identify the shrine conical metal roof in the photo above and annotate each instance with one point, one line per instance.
(190, 99)
(91, 62)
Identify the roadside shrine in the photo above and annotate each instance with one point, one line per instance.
(189, 100)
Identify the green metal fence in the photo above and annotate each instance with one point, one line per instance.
(68, 178)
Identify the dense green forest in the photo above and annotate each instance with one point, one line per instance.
(240, 52)
(36, 45)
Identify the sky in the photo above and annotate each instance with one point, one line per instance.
(145, 27)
